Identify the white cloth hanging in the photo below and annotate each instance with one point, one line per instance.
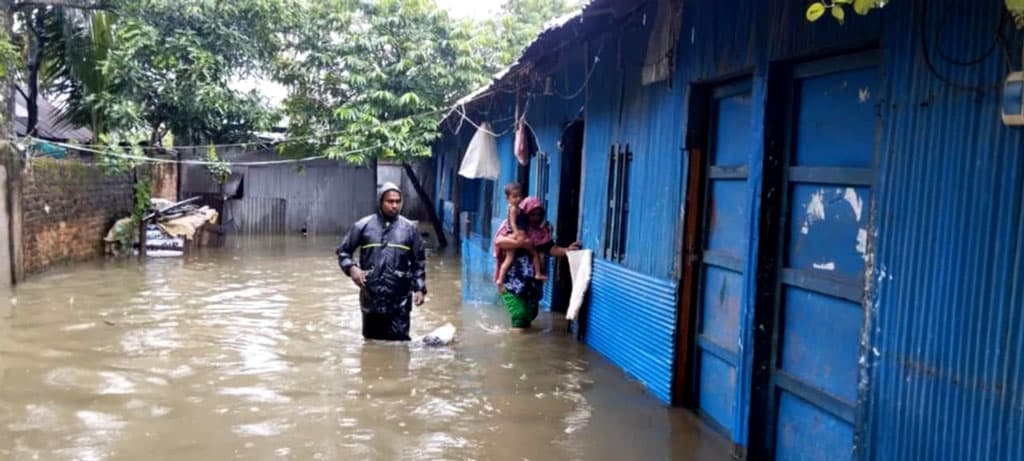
(580, 266)
(481, 160)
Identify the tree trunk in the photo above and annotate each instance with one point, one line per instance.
(37, 43)
(11, 160)
(442, 240)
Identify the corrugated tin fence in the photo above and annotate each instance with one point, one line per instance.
(258, 215)
(322, 197)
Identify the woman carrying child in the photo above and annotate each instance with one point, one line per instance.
(521, 290)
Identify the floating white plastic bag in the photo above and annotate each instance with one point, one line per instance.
(442, 336)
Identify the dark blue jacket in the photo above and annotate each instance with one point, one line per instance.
(392, 256)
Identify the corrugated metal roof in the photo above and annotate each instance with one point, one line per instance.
(49, 126)
(557, 30)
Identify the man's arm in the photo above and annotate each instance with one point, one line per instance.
(347, 250)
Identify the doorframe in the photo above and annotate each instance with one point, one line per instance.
(560, 292)
(697, 139)
(779, 147)
(699, 145)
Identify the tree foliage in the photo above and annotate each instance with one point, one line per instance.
(175, 59)
(816, 10)
(502, 39)
(153, 67)
(365, 78)
(370, 78)
(79, 42)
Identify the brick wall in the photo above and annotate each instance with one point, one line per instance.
(68, 207)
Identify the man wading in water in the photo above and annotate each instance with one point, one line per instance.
(391, 273)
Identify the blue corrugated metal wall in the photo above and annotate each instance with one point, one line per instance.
(651, 125)
(478, 271)
(637, 336)
(944, 375)
(611, 329)
(947, 374)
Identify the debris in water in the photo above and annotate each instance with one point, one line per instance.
(442, 336)
(109, 323)
(508, 366)
(523, 378)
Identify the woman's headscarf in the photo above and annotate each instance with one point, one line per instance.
(538, 235)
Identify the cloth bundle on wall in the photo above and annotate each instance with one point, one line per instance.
(481, 160)
(526, 143)
(658, 62)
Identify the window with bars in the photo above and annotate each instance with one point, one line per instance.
(543, 177)
(617, 213)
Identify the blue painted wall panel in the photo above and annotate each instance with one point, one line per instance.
(720, 322)
(732, 147)
(835, 108)
(728, 224)
(806, 433)
(821, 337)
(624, 303)
(719, 401)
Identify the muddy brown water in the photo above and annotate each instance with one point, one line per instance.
(254, 352)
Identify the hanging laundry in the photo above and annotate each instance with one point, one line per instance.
(580, 267)
(481, 160)
(526, 143)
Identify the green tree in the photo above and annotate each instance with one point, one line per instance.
(374, 74)
(371, 79)
(502, 39)
(40, 23)
(153, 67)
(79, 41)
(175, 59)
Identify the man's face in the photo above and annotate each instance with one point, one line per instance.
(391, 204)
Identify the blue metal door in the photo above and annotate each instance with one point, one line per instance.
(726, 232)
(826, 193)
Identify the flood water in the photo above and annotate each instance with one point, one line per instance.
(254, 352)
